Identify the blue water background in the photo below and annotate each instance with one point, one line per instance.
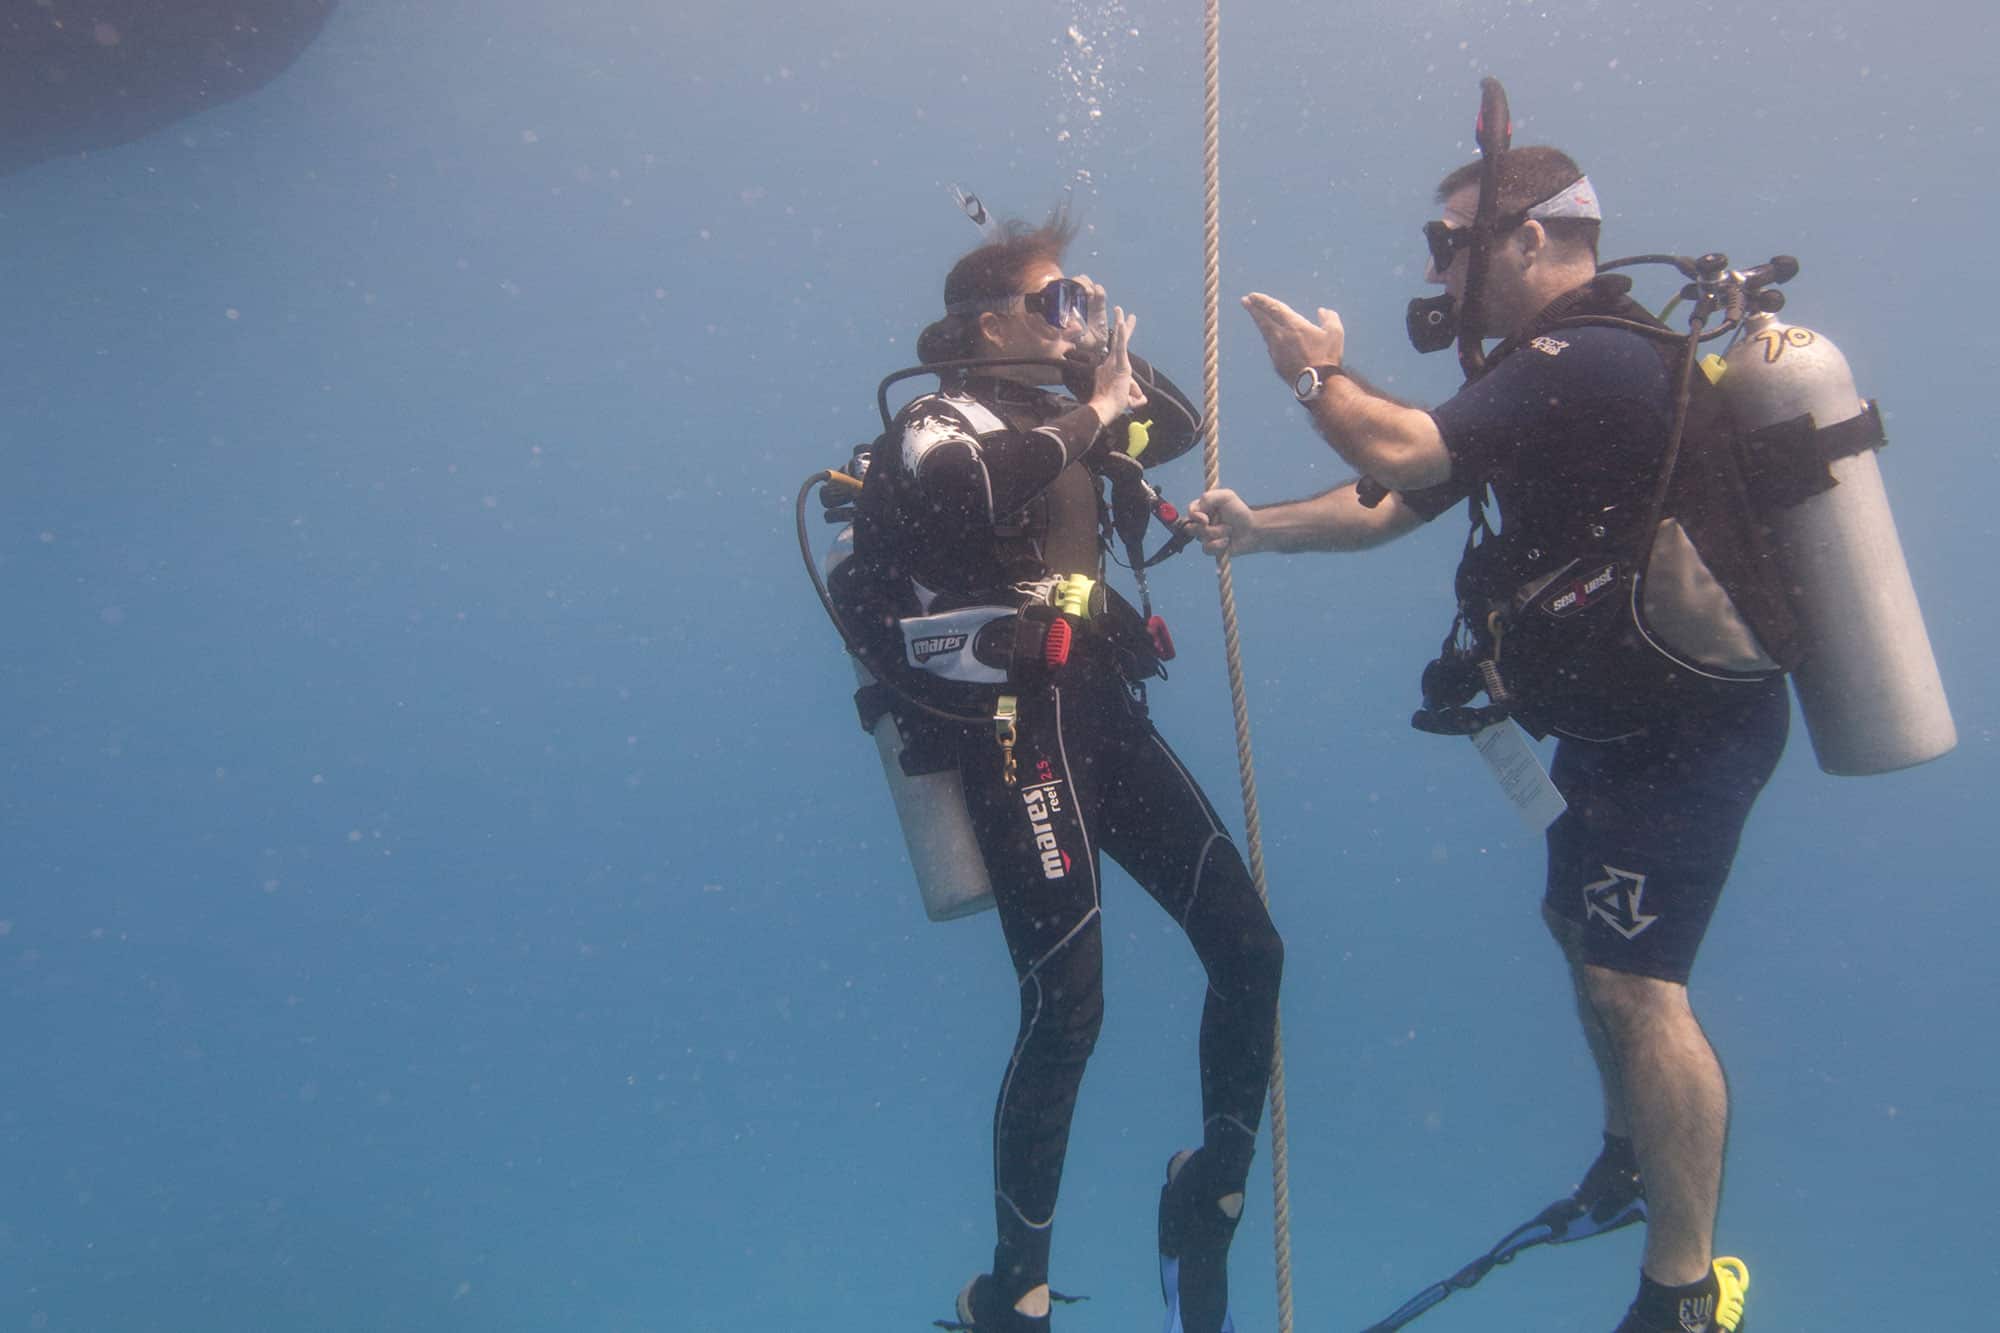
(442, 885)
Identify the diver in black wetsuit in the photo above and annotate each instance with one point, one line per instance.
(986, 494)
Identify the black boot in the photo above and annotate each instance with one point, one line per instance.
(1712, 1305)
(984, 1308)
(1195, 1231)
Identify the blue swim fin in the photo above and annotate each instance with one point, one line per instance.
(1170, 1290)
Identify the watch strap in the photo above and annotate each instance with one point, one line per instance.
(1320, 374)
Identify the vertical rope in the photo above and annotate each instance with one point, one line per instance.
(1212, 470)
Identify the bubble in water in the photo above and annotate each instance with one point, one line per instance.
(1085, 75)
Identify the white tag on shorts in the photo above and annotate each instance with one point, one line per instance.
(1518, 770)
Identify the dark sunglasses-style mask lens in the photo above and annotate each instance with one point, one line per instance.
(1445, 241)
(1059, 303)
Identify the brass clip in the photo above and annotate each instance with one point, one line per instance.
(1005, 711)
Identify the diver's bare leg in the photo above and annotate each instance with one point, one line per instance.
(1569, 937)
(1678, 1105)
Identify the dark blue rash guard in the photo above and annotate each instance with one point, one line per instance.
(1569, 427)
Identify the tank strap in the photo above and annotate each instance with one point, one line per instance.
(1787, 462)
(871, 701)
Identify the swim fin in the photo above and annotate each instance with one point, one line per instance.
(1609, 1198)
(1207, 1270)
(1170, 1277)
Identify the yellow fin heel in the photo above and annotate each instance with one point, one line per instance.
(1732, 1280)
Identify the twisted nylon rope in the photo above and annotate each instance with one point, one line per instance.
(1212, 469)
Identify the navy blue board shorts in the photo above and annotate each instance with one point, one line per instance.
(1639, 858)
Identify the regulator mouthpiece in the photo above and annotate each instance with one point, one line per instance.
(1432, 322)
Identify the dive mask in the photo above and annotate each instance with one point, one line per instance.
(1060, 302)
(1433, 320)
(1064, 302)
(1444, 242)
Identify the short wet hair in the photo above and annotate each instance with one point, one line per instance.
(1527, 177)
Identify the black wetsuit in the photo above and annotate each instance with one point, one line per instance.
(1569, 426)
(994, 495)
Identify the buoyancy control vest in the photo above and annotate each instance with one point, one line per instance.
(944, 614)
(1645, 601)
(920, 555)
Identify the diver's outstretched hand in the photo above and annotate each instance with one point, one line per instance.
(1223, 523)
(1114, 391)
(1294, 341)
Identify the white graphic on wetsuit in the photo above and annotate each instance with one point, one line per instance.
(1695, 1310)
(1549, 346)
(1043, 801)
(1615, 902)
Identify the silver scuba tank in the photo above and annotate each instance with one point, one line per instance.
(1868, 682)
(937, 828)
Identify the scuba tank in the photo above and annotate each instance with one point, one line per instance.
(916, 739)
(930, 806)
(1795, 442)
(1868, 682)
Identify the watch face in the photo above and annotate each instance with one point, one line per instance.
(1307, 384)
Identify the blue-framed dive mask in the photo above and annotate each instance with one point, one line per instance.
(1062, 301)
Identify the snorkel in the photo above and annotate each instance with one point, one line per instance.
(975, 212)
(1172, 425)
(1435, 322)
(1495, 131)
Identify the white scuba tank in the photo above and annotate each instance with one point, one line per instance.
(937, 828)
(1868, 683)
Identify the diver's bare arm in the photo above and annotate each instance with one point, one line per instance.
(1333, 521)
(1397, 445)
